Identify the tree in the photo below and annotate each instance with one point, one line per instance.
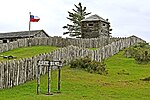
(74, 29)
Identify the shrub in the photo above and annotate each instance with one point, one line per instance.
(91, 66)
(143, 56)
(140, 52)
(130, 52)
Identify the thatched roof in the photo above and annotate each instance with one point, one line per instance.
(21, 34)
(95, 18)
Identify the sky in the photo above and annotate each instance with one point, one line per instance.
(127, 17)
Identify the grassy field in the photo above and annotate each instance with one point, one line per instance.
(28, 51)
(122, 83)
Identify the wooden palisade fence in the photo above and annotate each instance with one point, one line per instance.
(15, 72)
(58, 41)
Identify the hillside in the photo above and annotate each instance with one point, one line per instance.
(28, 52)
(121, 83)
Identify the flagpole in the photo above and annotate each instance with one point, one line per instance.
(29, 28)
(29, 24)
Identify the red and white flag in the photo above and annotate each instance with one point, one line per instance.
(34, 18)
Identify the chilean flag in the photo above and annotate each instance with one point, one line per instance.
(34, 18)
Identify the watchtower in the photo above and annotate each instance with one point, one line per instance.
(95, 26)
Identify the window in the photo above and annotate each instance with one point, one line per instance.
(4, 41)
(90, 24)
(84, 25)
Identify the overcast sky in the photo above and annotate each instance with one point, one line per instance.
(127, 17)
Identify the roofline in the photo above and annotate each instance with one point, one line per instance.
(16, 37)
(23, 31)
(26, 36)
(43, 32)
(94, 21)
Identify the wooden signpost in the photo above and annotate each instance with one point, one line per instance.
(49, 64)
(58, 64)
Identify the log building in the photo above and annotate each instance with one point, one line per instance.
(95, 26)
(13, 36)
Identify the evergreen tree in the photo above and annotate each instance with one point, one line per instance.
(74, 29)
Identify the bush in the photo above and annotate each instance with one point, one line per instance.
(143, 56)
(130, 52)
(140, 52)
(89, 65)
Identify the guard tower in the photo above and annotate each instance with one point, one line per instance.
(95, 26)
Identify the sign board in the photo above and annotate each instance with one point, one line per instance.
(56, 63)
(43, 63)
(51, 63)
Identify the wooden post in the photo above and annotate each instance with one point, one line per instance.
(58, 79)
(38, 80)
(49, 79)
(49, 74)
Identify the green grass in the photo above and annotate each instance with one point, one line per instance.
(28, 52)
(80, 85)
(92, 48)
